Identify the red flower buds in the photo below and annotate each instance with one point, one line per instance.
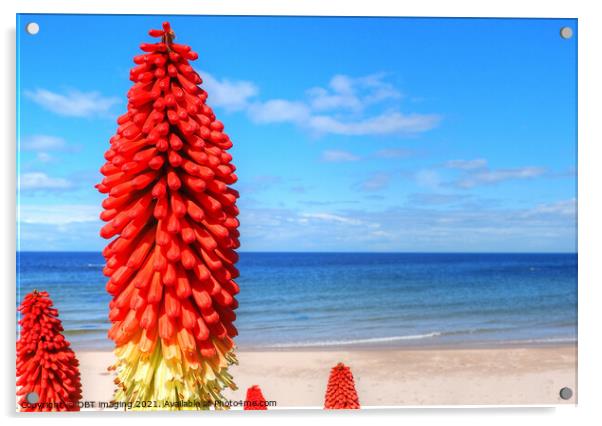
(340, 393)
(172, 216)
(47, 370)
(255, 399)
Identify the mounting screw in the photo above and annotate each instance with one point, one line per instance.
(566, 393)
(566, 32)
(32, 397)
(32, 28)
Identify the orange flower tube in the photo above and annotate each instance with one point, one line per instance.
(341, 393)
(255, 399)
(172, 217)
(47, 369)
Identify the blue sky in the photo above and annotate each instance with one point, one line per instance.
(350, 134)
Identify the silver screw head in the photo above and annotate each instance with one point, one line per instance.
(566, 32)
(32, 397)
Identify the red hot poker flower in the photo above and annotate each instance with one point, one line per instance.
(172, 215)
(255, 399)
(341, 393)
(47, 368)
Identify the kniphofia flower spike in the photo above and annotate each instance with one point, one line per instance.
(172, 215)
(341, 393)
(47, 370)
(255, 399)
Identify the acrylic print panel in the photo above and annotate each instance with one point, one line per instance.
(315, 212)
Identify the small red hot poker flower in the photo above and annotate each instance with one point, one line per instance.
(171, 213)
(341, 393)
(255, 399)
(47, 368)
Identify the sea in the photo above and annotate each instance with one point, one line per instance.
(351, 300)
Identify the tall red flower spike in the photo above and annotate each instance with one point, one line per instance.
(255, 399)
(170, 207)
(341, 393)
(47, 369)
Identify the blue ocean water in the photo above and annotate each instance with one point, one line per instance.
(351, 299)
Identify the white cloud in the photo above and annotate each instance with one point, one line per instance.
(478, 163)
(561, 208)
(346, 92)
(414, 227)
(278, 111)
(43, 143)
(342, 84)
(39, 180)
(428, 179)
(323, 110)
(335, 156)
(76, 236)
(228, 94)
(343, 93)
(376, 182)
(476, 172)
(379, 90)
(328, 217)
(73, 103)
(340, 95)
(490, 177)
(62, 214)
(384, 124)
(44, 157)
(321, 100)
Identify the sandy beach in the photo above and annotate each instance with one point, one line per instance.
(389, 377)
